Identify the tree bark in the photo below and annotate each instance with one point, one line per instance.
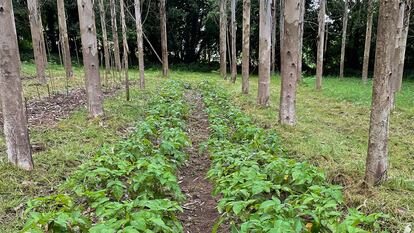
(343, 44)
(64, 40)
(367, 48)
(282, 24)
(302, 25)
(115, 38)
(14, 115)
(90, 57)
(164, 45)
(265, 36)
(140, 43)
(39, 47)
(321, 42)
(274, 33)
(289, 69)
(401, 44)
(125, 49)
(233, 42)
(105, 40)
(223, 38)
(377, 164)
(246, 46)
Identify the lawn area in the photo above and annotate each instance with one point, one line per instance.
(332, 133)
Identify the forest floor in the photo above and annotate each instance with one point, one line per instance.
(332, 133)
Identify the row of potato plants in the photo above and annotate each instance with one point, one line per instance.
(263, 191)
(127, 187)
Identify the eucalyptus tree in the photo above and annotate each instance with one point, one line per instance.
(164, 46)
(140, 47)
(321, 43)
(368, 35)
(223, 38)
(265, 25)
(114, 26)
(246, 46)
(64, 39)
(233, 28)
(105, 39)
(343, 43)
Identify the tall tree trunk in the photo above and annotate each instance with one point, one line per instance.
(265, 36)
(282, 23)
(302, 26)
(367, 48)
(164, 45)
(343, 44)
(39, 47)
(105, 40)
(246, 46)
(125, 49)
(223, 38)
(90, 57)
(377, 164)
(274, 33)
(115, 38)
(64, 40)
(321, 38)
(14, 115)
(401, 44)
(140, 52)
(233, 42)
(289, 69)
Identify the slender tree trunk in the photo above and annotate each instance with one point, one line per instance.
(367, 48)
(274, 33)
(377, 164)
(105, 40)
(90, 57)
(290, 53)
(246, 46)
(282, 23)
(233, 42)
(265, 36)
(140, 52)
(125, 49)
(302, 25)
(325, 48)
(164, 45)
(321, 37)
(223, 38)
(39, 47)
(114, 25)
(343, 44)
(401, 44)
(14, 115)
(64, 40)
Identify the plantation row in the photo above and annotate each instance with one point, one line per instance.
(261, 190)
(127, 187)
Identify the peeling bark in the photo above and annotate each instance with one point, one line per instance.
(246, 46)
(265, 25)
(90, 57)
(14, 115)
(377, 164)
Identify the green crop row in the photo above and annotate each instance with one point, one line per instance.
(260, 189)
(127, 187)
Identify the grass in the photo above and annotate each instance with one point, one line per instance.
(332, 133)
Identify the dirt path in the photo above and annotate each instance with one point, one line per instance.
(200, 212)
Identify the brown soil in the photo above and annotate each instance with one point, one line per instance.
(200, 209)
(48, 111)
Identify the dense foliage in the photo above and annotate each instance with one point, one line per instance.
(193, 34)
(127, 187)
(260, 189)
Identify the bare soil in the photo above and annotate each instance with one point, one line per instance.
(200, 209)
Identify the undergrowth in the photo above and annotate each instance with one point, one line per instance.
(261, 191)
(126, 187)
